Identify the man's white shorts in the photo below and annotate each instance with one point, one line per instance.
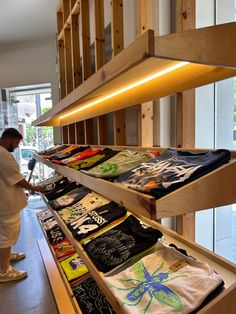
(9, 230)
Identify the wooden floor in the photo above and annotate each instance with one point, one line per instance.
(32, 295)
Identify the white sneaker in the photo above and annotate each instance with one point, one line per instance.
(12, 274)
(16, 256)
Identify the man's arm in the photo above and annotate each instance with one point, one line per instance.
(26, 185)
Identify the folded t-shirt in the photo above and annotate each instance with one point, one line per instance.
(164, 281)
(73, 267)
(96, 219)
(89, 202)
(88, 152)
(70, 198)
(62, 190)
(63, 248)
(90, 298)
(171, 170)
(119, 244)
(118, 164)
(59, 158)
(53, 150)
(93, 161)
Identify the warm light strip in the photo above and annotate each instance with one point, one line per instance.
(125, 89)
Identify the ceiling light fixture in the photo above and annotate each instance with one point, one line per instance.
(125, 89)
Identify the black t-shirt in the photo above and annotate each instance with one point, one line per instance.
(171, 170)
(70, 198)
(53, 150)
(95, 220)
(90, 298)
(119, 244)
(55, 235)
(65, 188)
(61, 156)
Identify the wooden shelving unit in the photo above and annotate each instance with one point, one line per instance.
(223, 267)
(156, 62)
(214, 189)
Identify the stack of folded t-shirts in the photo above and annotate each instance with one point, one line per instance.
(94, 160)
(88, 203)
(69, 198)
(116, 246)
(165, 281)
(96, 220)
(74, 268)
(74, 150)
(65, 187)
(119, 164)
(84, 153)
(53, 150)
(63, 151)
(90, 298)
(171, 170)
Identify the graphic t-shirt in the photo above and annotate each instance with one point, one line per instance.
(68, 148)
(119, 244)
(93, 161)
(51, 180)
(88, 152)
(90, 298)
(73, 267)
(55, 235)
(171, 170)
(120, 163)
(53, 150)
(65, 188)
(96, 219)
(59, 158)
(89, 202)
(63, 248)
(165, 282)
(44, 215)
(70, 198)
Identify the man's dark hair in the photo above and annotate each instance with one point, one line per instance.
(13, 133)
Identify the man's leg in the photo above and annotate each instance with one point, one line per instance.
(5, 254)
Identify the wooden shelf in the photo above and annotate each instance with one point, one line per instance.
(65, 303)
(208, 61)
(217, 188)
(224, 268)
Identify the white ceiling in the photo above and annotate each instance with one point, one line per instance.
(22, 20)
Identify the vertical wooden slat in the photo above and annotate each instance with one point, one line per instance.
(102, 129)
(62, 69)
(68, 62)
(59, 22)
(72, 3)
(89, 131)
(71, 132)
(144, 16)
(119, 128)
(99, 34)
(185, 20)
(66, 10)
(75, 47)
(85, 31)
(65, 139)
(80, 138)
(117, 41)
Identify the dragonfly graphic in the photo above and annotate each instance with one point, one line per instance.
(154, 285)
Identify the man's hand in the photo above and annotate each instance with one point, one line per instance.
(26, 185)
(39, 188)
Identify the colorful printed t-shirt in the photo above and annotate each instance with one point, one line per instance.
(70, 198)
(171, 170)
(120, 163)
(63, 248)
(59, 159)
(44, 215)
(89, 202)
(88, 152)
(165, 281)
(119, 244)
(95, 220)
(63, 151)
(53, 150)
(90, 298)
(93, 161)
(73, 267)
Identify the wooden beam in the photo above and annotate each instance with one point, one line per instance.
(66, 10)
(65, 137)
(80, 136)
(85, 30)
(71, 133)
(89, 131)
(99, 34)
(75, 47)
(102, 129)
(68, 61)
(62, 69)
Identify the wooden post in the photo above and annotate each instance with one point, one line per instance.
(75, 49)
(185, 20)
(79, 127)
(85, 30)
(117, 38)
(144, 15)
(71, 133)
(68, 61)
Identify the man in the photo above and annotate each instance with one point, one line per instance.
(12, 200)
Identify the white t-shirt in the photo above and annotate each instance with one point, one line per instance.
(12, 197)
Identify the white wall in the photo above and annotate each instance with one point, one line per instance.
(28, 63)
